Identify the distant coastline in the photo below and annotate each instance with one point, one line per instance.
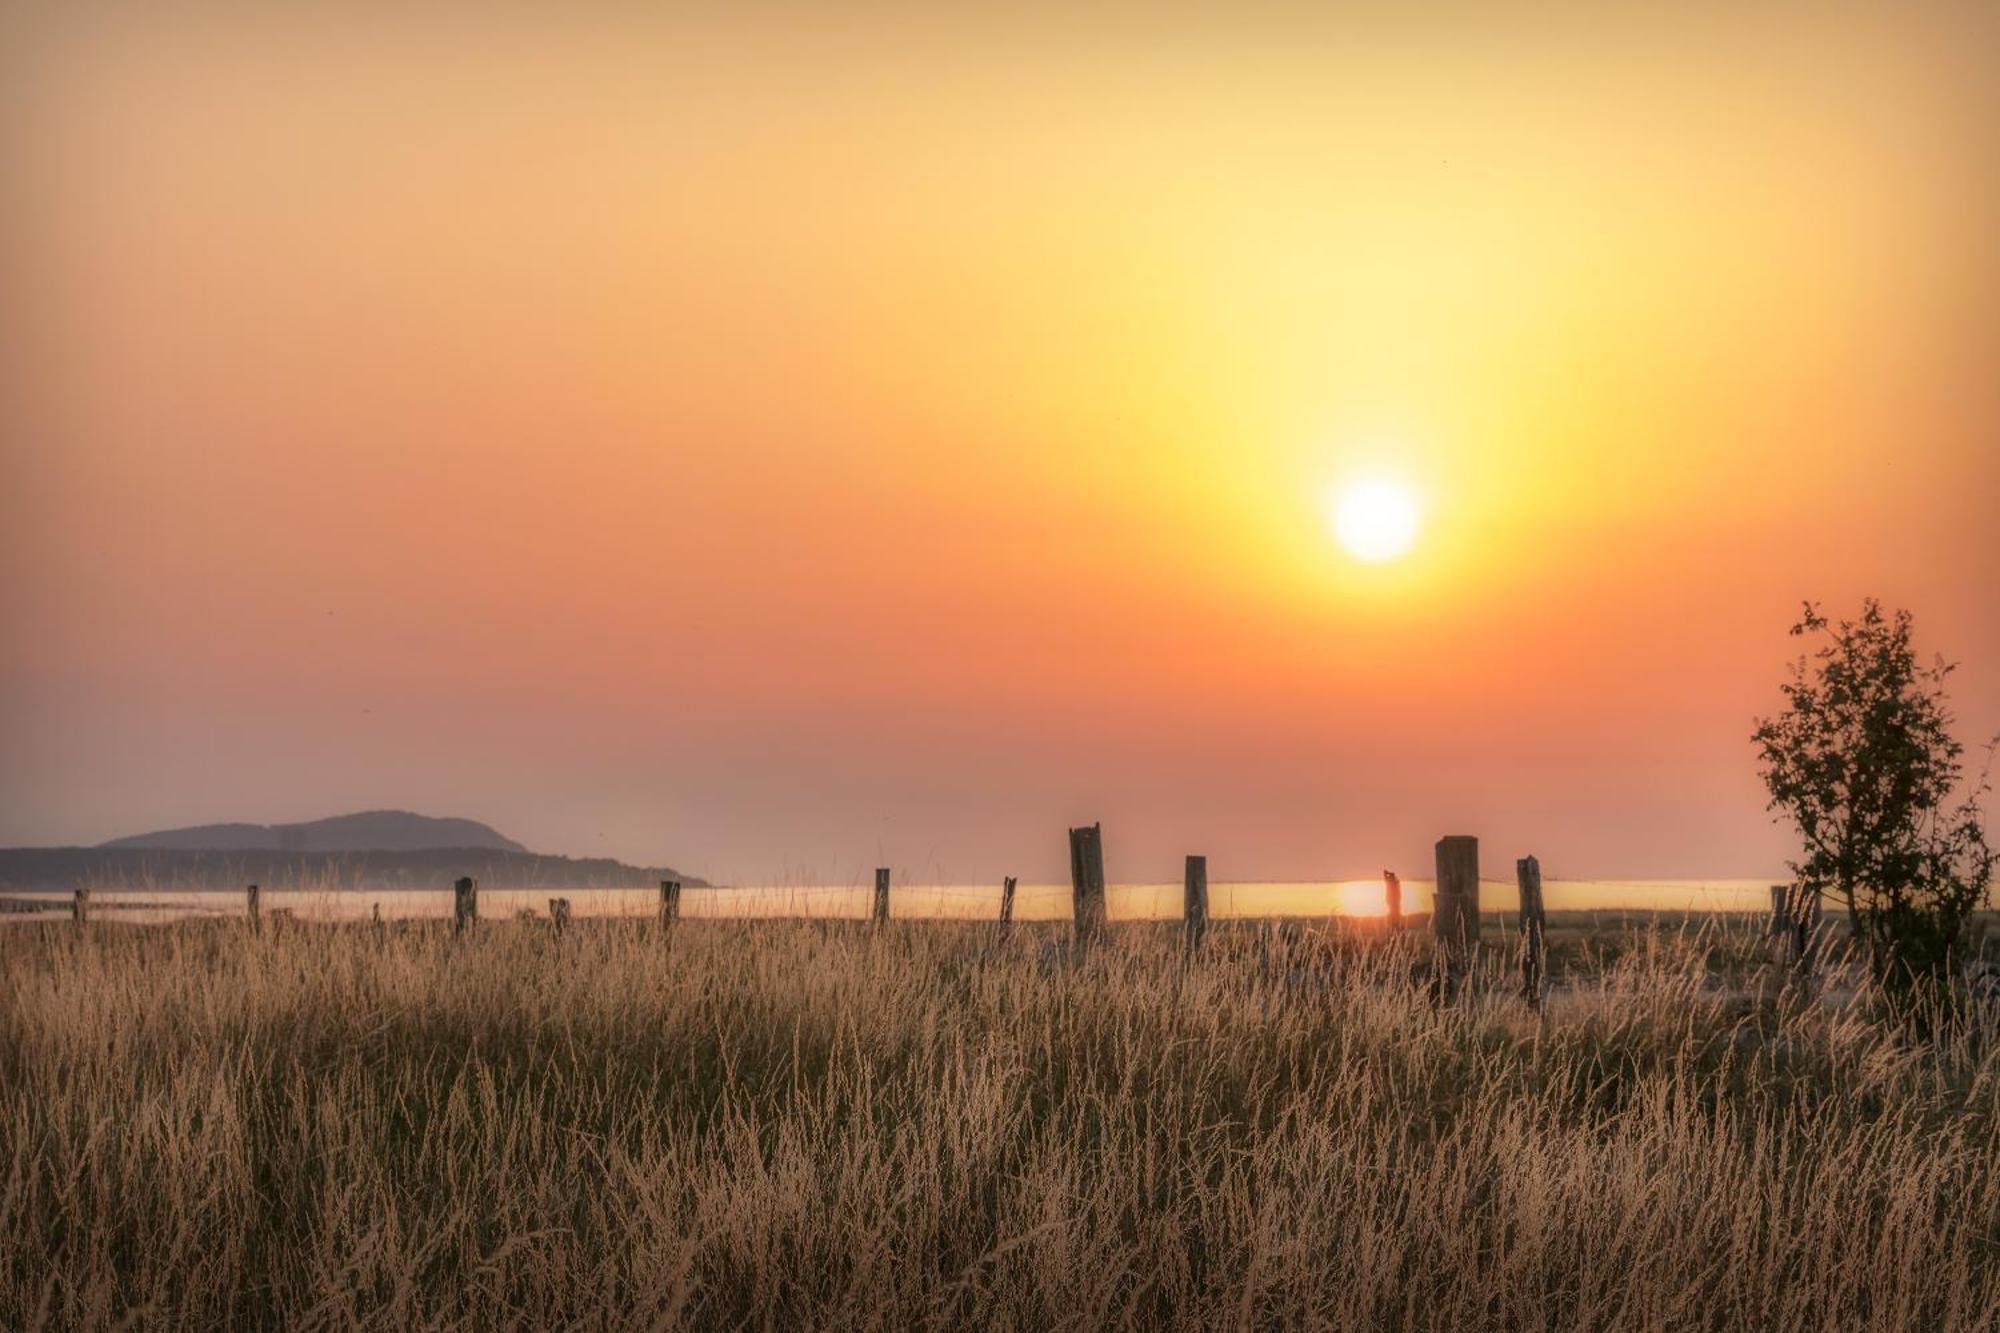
(371, 849)
(60, 869)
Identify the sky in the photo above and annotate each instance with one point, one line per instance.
(777, 443)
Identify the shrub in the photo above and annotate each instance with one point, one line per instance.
(1864, 764)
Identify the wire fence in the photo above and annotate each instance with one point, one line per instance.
(1143, 901)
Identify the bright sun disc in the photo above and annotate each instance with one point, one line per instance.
(1375, 520)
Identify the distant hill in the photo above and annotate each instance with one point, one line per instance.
(374, 849)
(369, 831)
(60, 869)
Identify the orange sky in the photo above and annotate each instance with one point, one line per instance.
(779, 445)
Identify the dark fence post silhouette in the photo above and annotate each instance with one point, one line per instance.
(670, 902)
(1194, 902)
(1392, 898)
(79, 907)
(1086, 878)
(1781, 937)
(1805, 925)
(1795, 919)
(1534, 925)
(253, 908)
(1007, 901)
(881, 894)
(1455, 907)
(559, 914)
(464, 905)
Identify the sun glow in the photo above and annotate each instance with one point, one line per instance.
(1360, 897)
(1375, 520)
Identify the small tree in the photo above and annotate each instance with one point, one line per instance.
(1863, 763)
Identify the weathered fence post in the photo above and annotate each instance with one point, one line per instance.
(1781, 936)
(1801, 926)
(670, 902)
(1392, 898)
(559, 914)
(79, 907)
(881, 895)
(253, 905)
(464, 905)
(1455, 906)
(1086, 878)
(1534, 924)
(1194, 902)
(1007, 901)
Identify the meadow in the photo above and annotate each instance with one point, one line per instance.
(934, 1125)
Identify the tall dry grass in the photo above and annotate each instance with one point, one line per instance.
(778, 1125)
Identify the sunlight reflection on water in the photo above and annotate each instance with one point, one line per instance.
(1033, 902)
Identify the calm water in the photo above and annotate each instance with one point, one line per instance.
(1032, 902)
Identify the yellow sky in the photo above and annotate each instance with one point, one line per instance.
(776, 442)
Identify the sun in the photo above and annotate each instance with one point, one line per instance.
(1375, 520)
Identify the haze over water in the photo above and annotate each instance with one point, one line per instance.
(1033, 902)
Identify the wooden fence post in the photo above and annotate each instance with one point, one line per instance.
(1392, 898)
(1803, 923)
(1086, 879)
(1781, 937)
(1007, 901)
(79, 907)
(253, 904)
(559, 914)
(1534, 924)
(670, 902)
(1194, 902)
(881, 895)
(1455, 906)
(464, 905)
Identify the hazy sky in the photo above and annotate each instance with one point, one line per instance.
(780, 443)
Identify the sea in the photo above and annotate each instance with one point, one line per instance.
(966, 902)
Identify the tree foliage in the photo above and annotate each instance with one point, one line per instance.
(1863, 762)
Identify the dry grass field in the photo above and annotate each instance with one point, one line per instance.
(790, 1125)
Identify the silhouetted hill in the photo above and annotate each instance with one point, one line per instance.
(60, 869)
(369, 831)
(383, 849)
